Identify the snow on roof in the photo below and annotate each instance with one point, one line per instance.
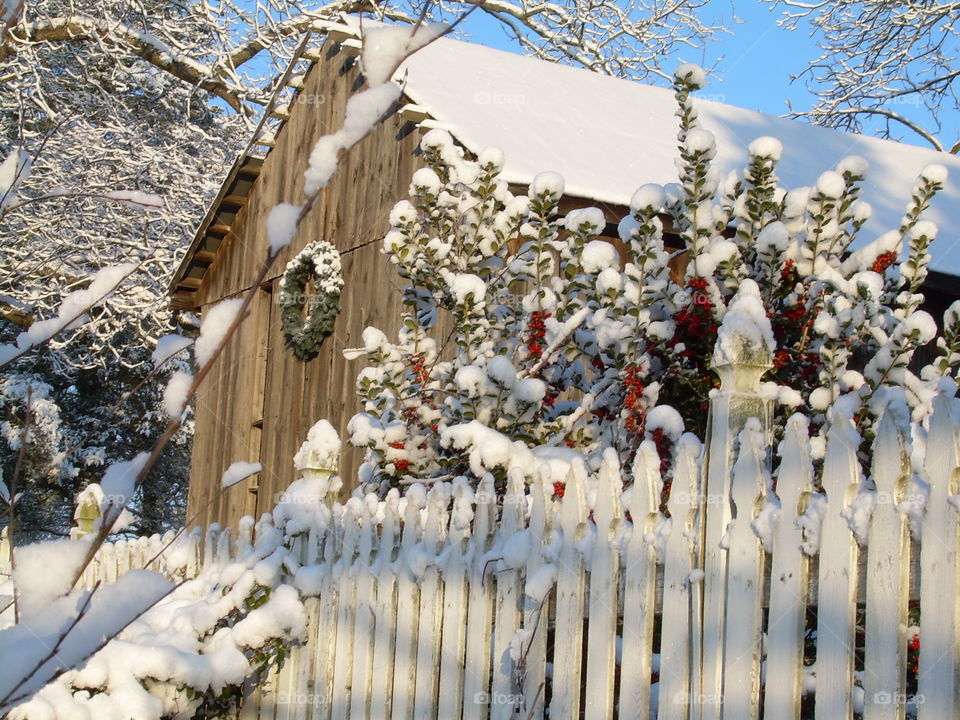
(608, 136)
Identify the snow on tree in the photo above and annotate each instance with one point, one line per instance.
(524, 333)
(124, 111)
(895, 63)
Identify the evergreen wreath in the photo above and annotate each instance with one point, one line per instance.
(319, 261)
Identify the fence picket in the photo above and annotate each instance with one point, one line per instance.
(536, 611)
(385, 611)
(287, 688)
(504, 693)
(789, 576)
(568, 633)
(888, 566)
(302, 708)
(604, 591)
(639, 586)
(676, 691)
(940, 602)
(480, 608)
(837, 574)
(431, 607)
(408, 608)
(323, 689)
(454, 631)
(741, 662)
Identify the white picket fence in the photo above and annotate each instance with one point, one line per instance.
(432, 615)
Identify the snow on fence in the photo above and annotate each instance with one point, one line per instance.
(511, 603)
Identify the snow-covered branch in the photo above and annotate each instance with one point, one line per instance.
(897, 61)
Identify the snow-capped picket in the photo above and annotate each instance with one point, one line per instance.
(745, 326)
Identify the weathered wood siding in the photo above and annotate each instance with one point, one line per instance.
(259, 378)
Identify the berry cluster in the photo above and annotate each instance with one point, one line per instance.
(792, 324)
(913, 653)
(633, 402)
(536, 331)
(883, 261)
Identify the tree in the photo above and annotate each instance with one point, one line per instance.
(895, 63)
(98, 121)
(158, 96)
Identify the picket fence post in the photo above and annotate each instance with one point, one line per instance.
(738, 399)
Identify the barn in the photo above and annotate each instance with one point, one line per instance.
(606, 136)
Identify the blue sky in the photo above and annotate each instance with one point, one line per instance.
(754, 58)
(753, 61)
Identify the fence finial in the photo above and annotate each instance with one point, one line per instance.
(743, 353)
(88, 513)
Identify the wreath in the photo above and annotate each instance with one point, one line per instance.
(319, 261)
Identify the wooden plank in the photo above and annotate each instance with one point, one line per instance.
(741, 666)
(604, 591)
(837, 582)
(568, 638)
(476, 681)
(504, 693)
(677, 661)
(940, 600)
(888, 552)
(789, 576)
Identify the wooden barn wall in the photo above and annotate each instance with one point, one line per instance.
(352, 213)
(228, 407)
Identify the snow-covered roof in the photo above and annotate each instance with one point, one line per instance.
(608, 136)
